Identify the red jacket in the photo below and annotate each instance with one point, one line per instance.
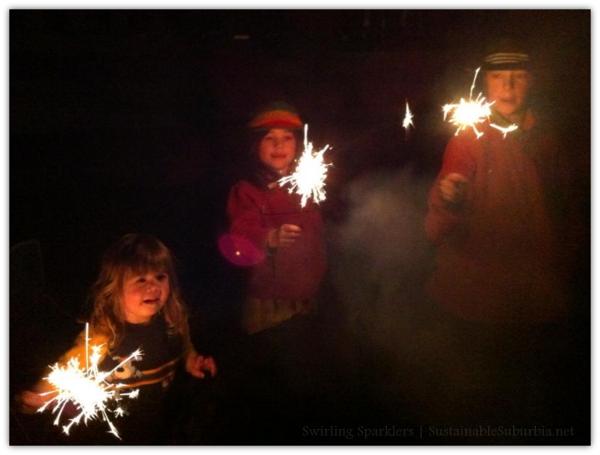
(497, 256)
(293, 272)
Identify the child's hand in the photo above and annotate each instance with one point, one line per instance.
(452, 188)
(197, 365)
(284, 236)
(29, 402)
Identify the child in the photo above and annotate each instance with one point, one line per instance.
(282, 246)
(286, 239)
(495, 206)
(495, 212)
(137, 304)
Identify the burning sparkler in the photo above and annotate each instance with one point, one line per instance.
(468, 114)
(408, 118)
(308, 180)
(505, 130)
(88, 389)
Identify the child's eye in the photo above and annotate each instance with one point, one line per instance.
(162, 276)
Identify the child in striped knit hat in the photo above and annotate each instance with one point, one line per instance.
(500, 216)
(493, 209)
(281, 242)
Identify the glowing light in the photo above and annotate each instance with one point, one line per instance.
(87, 389)
(240, 251)
(408, 118)
(469, 113)
(308, 180)
(505, 130)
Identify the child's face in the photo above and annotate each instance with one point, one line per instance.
(509, 88)
(277, 149)
(144, 295)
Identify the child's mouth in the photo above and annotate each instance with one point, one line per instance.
(151, 301)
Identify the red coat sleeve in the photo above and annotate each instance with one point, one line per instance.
(244, 211)
(441, 218)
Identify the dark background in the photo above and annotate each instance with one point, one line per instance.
(125, 121)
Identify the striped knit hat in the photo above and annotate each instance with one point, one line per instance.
(276, 115)
(507, 54)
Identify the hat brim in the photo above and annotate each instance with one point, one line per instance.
(276, 119)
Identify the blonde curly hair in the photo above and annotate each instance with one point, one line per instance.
(134, 253)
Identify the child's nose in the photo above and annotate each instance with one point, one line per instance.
(509, 82)
(152, 287)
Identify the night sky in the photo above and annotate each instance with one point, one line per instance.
(133, 121)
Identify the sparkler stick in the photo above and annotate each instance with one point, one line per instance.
(308, 180)
(87, 339)
(87, 389)
(468, 114)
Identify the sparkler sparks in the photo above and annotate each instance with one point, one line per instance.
(505, 130)
(408, 118)
(468, 114)
(87, 389)
(308, 180)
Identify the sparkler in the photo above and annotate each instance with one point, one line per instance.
(408, 118)
(308, 180)
(88, 389)
(468, 114)
(505, 130)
